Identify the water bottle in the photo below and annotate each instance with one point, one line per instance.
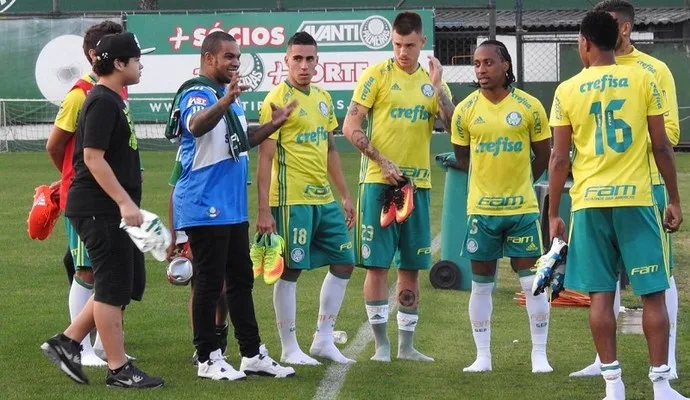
(340, 337)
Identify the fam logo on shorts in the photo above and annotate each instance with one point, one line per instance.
(513, 118)
(323, 108)
(251, 71)
(297, 254)
(366, 251)
(472, 246)
(427, 90)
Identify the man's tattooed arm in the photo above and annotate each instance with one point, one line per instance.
(446, 108)
(352, 129)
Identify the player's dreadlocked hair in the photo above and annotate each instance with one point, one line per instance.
(502, 51)
(620, 7)
(600, 28)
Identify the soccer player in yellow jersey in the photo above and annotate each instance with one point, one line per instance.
(493, 131)
(627, 54)
(610, 112)
(402, 100)
(295, 199)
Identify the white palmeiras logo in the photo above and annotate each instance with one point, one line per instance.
(297, 254)
(366, 251)
(513, 118)
(472, 245)
(323, 108)
(251, 71)
(427, 90)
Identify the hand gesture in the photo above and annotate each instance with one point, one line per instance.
(390, 171)
(130, 214)
(673, 217)
(234, 88)
(435, 70)
(265, 223)
(281, 114)
(557, 228)
(349, 212)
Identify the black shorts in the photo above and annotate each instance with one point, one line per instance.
(112, 257)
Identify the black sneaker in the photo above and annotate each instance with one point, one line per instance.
(66, 354)
(132, 377)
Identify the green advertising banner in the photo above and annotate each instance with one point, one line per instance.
(348, 41)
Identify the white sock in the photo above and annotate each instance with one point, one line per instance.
(672, 308)
(377, 313)
(285, 306)
(538, 312)
(662, 389)
(617, 300)
(98, 344)
(615, 390)
(332, 294)
(79, 294)
(480, 309)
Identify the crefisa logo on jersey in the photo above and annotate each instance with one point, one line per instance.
(6, 4)
(373, 32)
(427, 90)
(513, 118)
(251, 71)
(323, 108)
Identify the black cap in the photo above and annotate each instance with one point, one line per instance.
(120, 45)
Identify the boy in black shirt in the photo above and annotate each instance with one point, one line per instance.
(106, 188)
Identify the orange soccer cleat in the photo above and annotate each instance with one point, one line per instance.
(44, 211)
(387, 207)
(403, 198)
(273, 258)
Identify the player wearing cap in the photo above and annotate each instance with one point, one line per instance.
(105, 190)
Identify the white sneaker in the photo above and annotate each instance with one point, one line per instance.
(100, 353)
(262, 364)
(218, 369)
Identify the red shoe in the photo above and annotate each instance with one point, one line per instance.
(44, 211)
(387, 207)
(404, 201)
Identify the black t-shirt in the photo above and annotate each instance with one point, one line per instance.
(104, 123)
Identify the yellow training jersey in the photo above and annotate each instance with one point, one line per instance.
(607, 108)
(500, 137)
(403, 109)
(299, 174)
(68, 114)
(667, 86)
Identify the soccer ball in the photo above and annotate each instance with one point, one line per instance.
(179, 271)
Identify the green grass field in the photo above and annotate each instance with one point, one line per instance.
(159, 334)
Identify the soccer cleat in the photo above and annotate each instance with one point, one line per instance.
(66, 355)
(547, 263)
(273, 258)
(217, 369)
(557, 281)
(387, 207)
(403, 198)
(262, 364)
(132, 377)
(256, 253)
